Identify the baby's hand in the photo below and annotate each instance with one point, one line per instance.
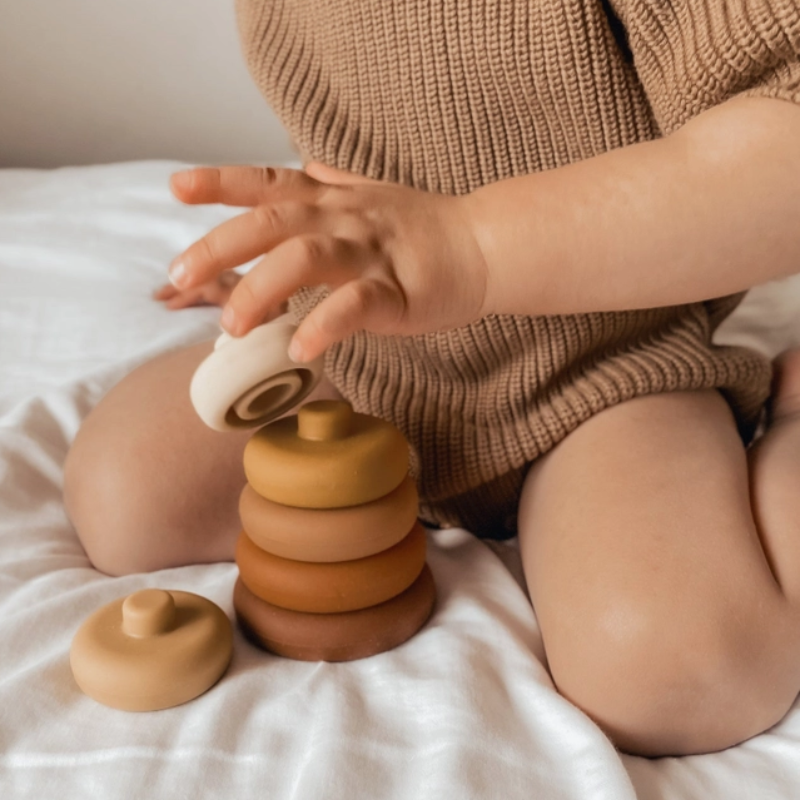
(215, 292)
(397, 260)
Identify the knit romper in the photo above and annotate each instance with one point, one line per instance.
(450, 95)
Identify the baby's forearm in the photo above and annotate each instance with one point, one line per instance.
(709, 211)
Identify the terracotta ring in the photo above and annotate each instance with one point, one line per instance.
(250, 380)
(331, 534)
(336, 586)
(326, 456)
(336, 637)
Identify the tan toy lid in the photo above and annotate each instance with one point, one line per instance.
(336, 637)
(151, 650)
(250, 380)
(326, 456)
(329, 534)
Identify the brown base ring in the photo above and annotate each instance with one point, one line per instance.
(344, 636)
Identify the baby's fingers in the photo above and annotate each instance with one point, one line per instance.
(241, 239)
(187, 300)
(309, 260)
(363, 304)
(165, 292)
(175, 300)
(241, 185)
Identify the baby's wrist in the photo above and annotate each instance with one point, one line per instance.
(478, 212)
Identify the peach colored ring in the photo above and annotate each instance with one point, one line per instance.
(250, 380)
(330, 534)
(336, 637)
(333, 587)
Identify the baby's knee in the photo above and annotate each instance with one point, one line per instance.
(102, 496)
(141, 499)
(664, 684)
(147, 485)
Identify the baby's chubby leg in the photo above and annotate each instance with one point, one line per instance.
(147, 485)
(662, 616)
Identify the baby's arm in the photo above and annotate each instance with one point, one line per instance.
(710, 210)
(707, 211)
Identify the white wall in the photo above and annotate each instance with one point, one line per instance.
(91, 81)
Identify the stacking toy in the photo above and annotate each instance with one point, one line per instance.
(331, 557)
(151, 650)
(324, 464)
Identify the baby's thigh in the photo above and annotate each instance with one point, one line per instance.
(147, 485)
(659, 613)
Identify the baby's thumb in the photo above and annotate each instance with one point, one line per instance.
(357, 305)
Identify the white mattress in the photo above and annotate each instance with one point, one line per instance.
(464, 710)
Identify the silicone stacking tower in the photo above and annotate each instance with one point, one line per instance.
(331, 557)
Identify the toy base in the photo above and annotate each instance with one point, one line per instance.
(346, 636)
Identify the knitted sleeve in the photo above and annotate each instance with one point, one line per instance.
(691, 55)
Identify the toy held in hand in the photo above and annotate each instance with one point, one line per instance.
(250, 380)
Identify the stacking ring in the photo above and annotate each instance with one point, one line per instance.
(249, 380)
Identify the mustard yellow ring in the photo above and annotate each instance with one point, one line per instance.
(326, 456)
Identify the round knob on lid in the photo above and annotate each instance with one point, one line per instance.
(148, 613)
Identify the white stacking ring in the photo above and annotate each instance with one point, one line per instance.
(250, 380)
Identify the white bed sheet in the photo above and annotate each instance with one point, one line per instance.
(464, 710)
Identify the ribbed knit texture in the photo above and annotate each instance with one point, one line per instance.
(450, 95)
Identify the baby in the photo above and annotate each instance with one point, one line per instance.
(519, 225)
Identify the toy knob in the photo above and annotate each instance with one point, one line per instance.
(148, 612)
(324, 421)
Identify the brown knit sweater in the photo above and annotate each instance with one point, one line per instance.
(450, 95)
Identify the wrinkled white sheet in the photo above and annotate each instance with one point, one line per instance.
(464, 710)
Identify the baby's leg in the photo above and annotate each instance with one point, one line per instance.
(662, 617)
(147, 485)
